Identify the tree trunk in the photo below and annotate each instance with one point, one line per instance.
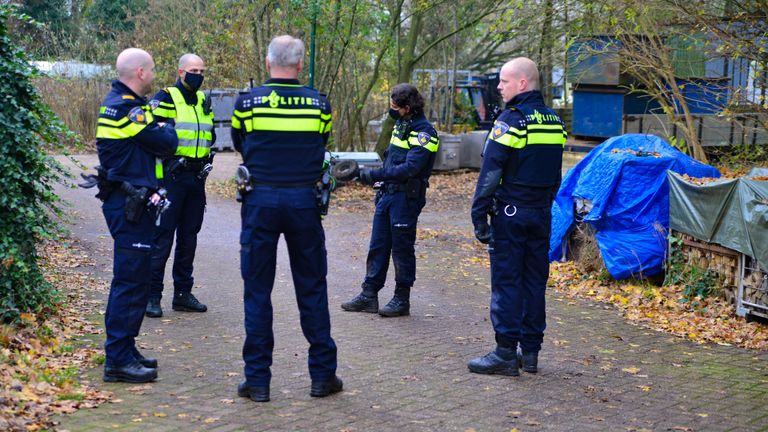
(451, 90)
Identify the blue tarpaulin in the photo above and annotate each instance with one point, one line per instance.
(624, 180)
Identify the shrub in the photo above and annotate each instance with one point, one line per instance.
(75, 102)
(27, 200)
(697, 282)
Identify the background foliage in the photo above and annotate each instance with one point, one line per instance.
(26, 175)
(365, 47)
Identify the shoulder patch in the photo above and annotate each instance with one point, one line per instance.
(423, 138)
(154, 103)
(129, 97)
(499, 129)
(138, 116)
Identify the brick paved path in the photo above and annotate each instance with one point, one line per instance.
(409, 374)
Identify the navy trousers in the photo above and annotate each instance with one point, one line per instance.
(393, 234)
(129, 291)
(184, 218)
(266, 213)
(519, 272)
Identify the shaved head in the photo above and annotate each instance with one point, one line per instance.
(136, 69)
(188, 59)
(130, 60)
(525, 68)
(518, 75)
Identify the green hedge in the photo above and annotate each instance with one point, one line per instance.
(28, 204)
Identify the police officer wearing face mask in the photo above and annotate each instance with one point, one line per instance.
(183, 175)
(405, 178)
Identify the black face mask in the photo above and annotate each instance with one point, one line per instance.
(193, 80)
(395, 114)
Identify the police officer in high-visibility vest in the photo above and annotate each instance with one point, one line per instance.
(128, 140)
(519, 178)
(281, 129)
(399, 201)
(183, 175)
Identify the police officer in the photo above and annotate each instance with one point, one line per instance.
(519, 178)
(184, 174)
(405, 176)
(128, 139)
(281, 129)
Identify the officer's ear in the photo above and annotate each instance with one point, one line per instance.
(299, 66)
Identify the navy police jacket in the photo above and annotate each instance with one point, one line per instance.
(523, 157)
(128, 139)
(411, 152)
(281, 129)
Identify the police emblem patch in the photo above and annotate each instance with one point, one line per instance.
(499, 129)
(154, 103)
(423, 138)
(137, 115)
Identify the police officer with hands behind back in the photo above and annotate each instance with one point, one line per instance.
(281, 129)
(405, 176)
(519, 178)
(128, 140)
(183, 175)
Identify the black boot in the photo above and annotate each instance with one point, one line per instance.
(400, 304)
(154, 310)
(529, 361)
(366, 301)
(131, 373)
(501, 361)
(147, 362)
(186, 302)
(254, 393)
(326, 388)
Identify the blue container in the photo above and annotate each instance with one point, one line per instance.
(639, 103)
(704, 96)
(597, 112)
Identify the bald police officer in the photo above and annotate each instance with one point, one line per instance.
(128, 140)
(519, 178)
(184, 174)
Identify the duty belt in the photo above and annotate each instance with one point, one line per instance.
(194, 166)
(400, 187)
(189, 165)
(285, 185)
(392, 187)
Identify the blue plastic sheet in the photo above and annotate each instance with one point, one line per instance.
(625, 180)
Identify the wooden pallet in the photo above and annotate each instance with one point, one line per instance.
(745, 284)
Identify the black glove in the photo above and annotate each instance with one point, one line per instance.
(365, 176)
(483, 232)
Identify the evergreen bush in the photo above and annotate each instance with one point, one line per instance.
(28, 204)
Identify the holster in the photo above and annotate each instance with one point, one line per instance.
(135, 201)
(323, 192)
(244, 183)
(415, 188)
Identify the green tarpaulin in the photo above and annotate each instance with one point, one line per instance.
(731, 213)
